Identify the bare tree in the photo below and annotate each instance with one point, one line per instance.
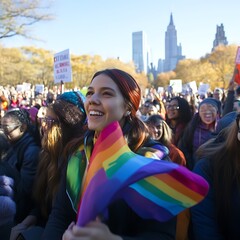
(16, 16)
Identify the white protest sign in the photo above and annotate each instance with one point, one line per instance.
(39, 88)
(237, 60)
(193, 86)
(160, 89)
(27, 86)
(62, 67)
(203, 88)
(20, 88)
(176, 85)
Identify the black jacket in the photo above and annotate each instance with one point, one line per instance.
(23, 156)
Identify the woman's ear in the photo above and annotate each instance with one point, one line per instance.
(23, 128)
(127, 113)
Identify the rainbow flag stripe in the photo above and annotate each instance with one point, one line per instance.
(153, 188)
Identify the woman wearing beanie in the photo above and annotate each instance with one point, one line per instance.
(63, 131)
(200, 129)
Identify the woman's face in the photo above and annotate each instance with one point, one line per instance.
(47, 121)
(104, 103)
(156, 129)
(207, 113)
(12, 129)
(172, 109)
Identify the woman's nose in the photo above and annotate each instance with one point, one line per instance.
(94, 99)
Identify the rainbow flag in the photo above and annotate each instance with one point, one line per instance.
(154, 189)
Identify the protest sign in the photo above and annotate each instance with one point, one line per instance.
(62, 67)
(176, 85)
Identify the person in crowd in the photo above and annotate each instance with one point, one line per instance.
(112, 99)
(232, 95)
(218, 215)
(3, 103)
(178, 116)
(148, 109)
(163, 133)
(40, 124)
(113, 95)
(200, 129)
(14, 101)
(219, 94)
(63, 132)
(22, 156)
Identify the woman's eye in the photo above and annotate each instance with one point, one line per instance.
(107, 93)
(89, 93)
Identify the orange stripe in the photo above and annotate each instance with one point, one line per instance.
(106, 143)
(101, 157)
(173, 183)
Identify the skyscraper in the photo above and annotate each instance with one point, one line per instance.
(173, 51)
(220, 38)
(140, 51)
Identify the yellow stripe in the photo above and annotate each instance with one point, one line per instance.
(172, 192)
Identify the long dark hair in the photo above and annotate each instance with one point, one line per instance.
(185, 113)
(134, 129)
(224, 158)
(58, 143)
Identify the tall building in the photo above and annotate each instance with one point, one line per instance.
(140, 51)
(173, 51)
(220, 38)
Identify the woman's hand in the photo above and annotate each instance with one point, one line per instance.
(92, 231)
(17, 230)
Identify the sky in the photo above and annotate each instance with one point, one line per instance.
(105, 27)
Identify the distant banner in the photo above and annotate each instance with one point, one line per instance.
(62, 67)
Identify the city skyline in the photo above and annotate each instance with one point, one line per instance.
(105, 27)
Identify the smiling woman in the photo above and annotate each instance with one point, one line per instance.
(115, 171)
(200, 129)
(113, 95)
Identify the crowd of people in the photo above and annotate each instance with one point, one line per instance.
(47, 143)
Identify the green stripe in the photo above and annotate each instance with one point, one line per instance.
(156, 191)
(115, 165)
(75, 171)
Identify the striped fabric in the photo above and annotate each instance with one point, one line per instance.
(152, 188)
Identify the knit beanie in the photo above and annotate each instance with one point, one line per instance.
(69, 107)
(212, 101)
(7, 210)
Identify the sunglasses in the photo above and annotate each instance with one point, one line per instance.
(10, 128)
(173, 107)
